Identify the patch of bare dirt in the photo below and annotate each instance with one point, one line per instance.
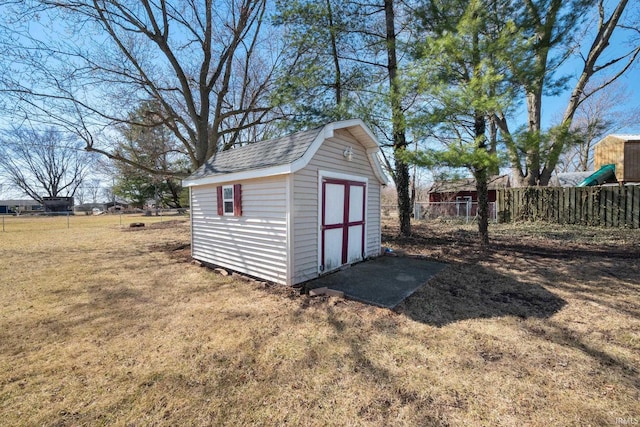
(460, 242)
(168, 224)
(180, 251)
(528, 271)
(162, 225)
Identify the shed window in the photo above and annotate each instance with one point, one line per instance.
(227, 199)
(230, 200)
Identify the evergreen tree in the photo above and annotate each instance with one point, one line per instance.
(459, 70)
(154, 149)
(345, 63)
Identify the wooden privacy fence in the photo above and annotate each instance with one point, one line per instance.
(616, 206)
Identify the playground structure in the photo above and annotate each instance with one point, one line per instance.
(606, 174)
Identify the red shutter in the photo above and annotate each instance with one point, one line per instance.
(237, 200)
(220, 201)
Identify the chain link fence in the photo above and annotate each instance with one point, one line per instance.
(43, 221)
(464, 211)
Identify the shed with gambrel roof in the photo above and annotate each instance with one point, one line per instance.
(290, 209)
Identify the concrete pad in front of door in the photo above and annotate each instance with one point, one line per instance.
(384, 281)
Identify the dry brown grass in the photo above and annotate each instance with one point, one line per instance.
(104, 327)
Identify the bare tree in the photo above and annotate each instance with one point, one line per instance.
(553, 25)
(603, 113)
(80, 195)
(81, 64)
(94, 189)
(90, 190)
(45, 163)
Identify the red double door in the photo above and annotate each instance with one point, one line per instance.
(343, 223)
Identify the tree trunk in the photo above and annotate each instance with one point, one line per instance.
(493, 145)
(534, 114)
(337, 85)
(480, 171)
(174, 193)
(481, 176)
(398, 123)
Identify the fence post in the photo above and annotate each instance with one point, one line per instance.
(603, 198)
(568, 207)
(636, 207)
(615, 199)
(628, 203)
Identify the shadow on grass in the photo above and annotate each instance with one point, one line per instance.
(395, 396)
(470, 291)
(562, 335)
(607, 281)
(107, 306)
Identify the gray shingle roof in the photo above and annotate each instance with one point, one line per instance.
(274, 152)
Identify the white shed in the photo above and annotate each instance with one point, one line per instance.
(290, 209)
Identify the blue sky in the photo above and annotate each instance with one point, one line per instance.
(553, 107)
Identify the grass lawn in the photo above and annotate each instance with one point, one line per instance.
(105, 325)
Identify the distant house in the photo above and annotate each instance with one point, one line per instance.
(460, 198)
(290, 209)
(19, 206)
(623, 151)
(465, 189)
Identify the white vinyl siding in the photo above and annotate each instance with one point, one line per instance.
(256, 242)
(374, 227)
(329, 157)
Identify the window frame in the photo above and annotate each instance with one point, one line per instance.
(226, 200)
(233, 201)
